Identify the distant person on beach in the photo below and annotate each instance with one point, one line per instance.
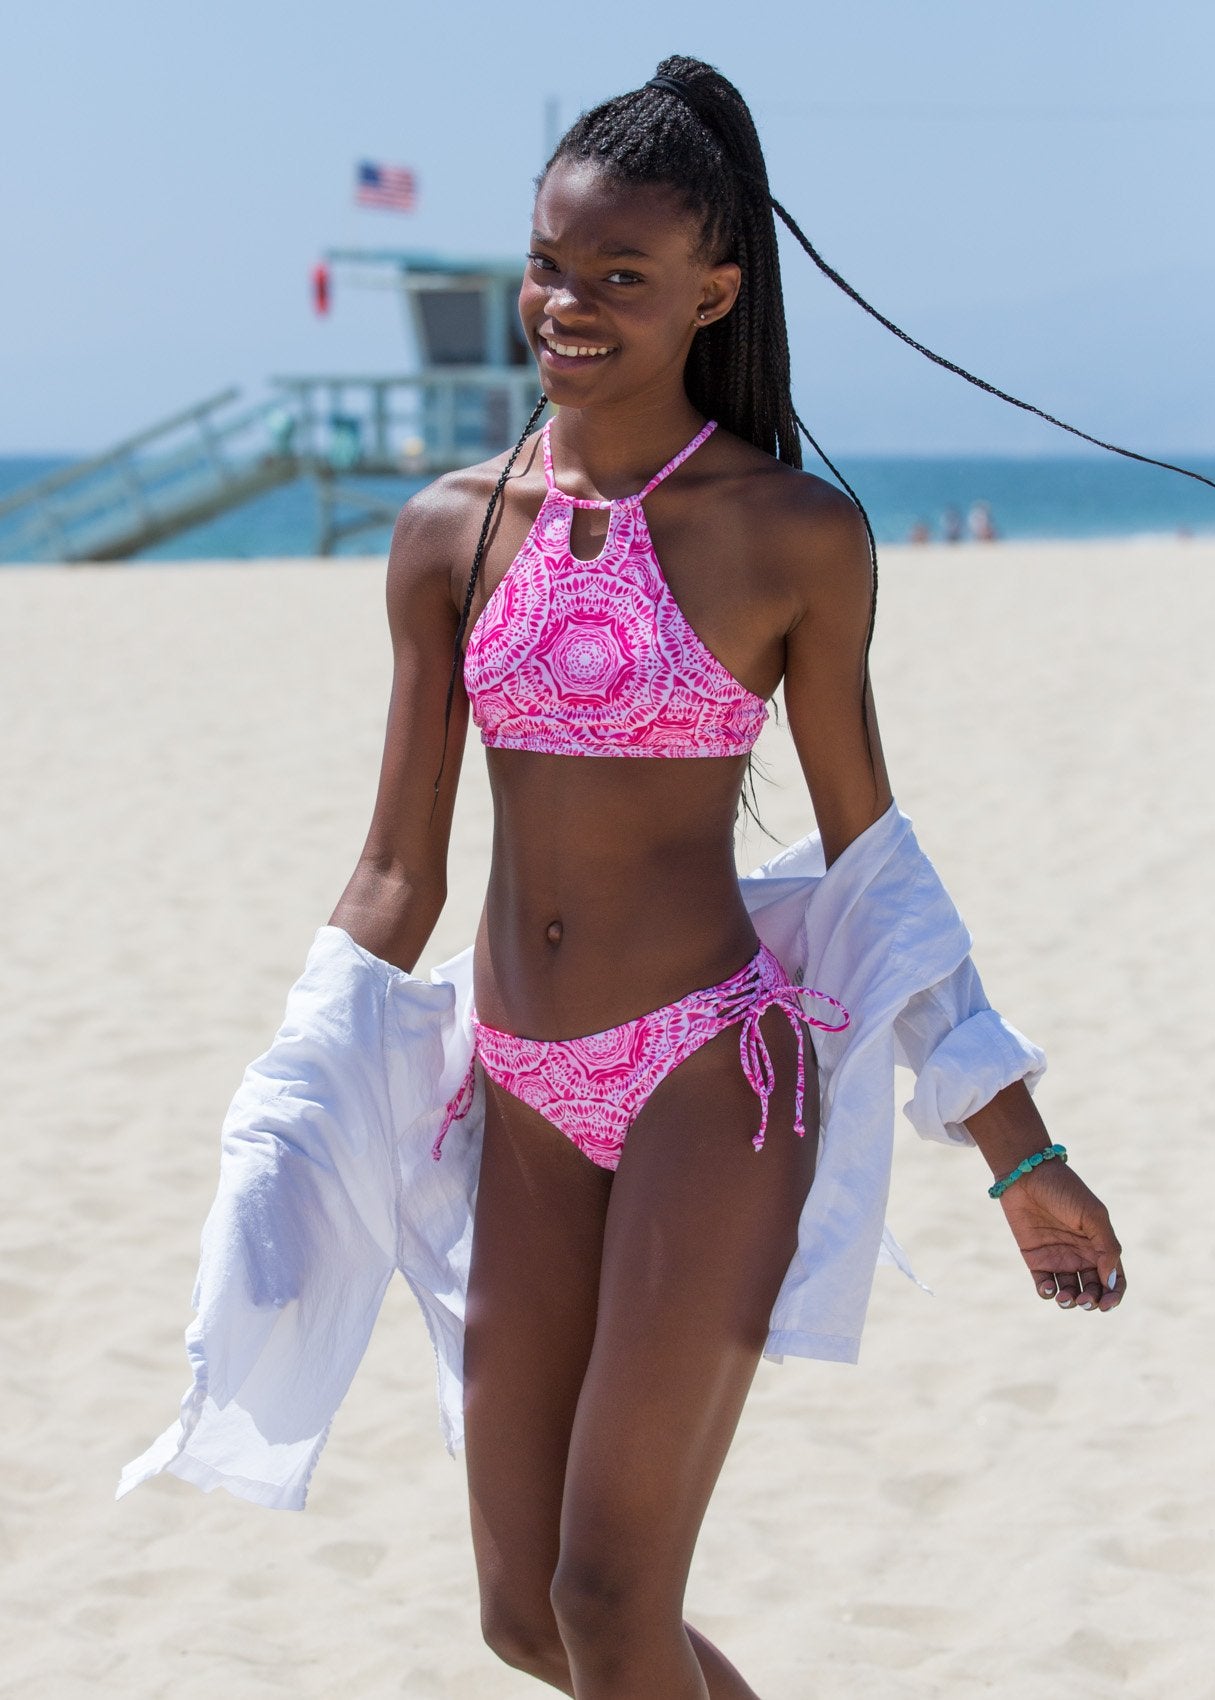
(921, 532)
(951, 526)
(982, 525)
(638, 1136)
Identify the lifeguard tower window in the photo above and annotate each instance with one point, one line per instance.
(455, 330)
(453, 326)
(520, 353)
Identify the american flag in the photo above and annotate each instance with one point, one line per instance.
(391, 186)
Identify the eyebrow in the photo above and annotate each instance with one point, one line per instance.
(607, 250)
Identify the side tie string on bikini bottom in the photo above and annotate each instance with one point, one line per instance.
(457, 1107)
(756, 1058)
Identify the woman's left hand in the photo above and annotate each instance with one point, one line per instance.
(1066, 1238)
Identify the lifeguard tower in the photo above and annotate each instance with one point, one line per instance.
(468, 396)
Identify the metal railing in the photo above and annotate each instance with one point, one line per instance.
(214, 456)
(419, 422)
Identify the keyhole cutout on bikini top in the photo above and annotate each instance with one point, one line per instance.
(589, 529)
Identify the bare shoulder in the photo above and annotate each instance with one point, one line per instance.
(437, 529)
(808, 531)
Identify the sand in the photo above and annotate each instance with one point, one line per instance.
(999, 1500)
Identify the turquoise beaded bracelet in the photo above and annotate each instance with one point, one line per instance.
(1024, 1168)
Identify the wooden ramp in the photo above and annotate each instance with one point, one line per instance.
(217, 455)
(178, 473)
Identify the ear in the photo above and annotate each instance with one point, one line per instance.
(719, 292)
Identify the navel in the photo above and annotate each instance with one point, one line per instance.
(554, 932)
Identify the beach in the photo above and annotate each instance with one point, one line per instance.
(999, 1499)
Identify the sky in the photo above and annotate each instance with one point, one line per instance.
(1026, 189)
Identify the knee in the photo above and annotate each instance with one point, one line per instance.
(525, 1638)
(594, 1602)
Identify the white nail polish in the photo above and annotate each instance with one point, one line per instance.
(1086, 1304)
(1112, 1282)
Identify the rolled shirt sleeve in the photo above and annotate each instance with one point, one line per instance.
(962, 1052)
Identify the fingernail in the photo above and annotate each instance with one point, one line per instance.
(1086, 1304)
(1065, 1304)
(1047, 1289)
(1112, 1282)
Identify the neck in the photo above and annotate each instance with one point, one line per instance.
(617, 447)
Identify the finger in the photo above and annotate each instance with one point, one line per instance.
(1046, 1282)
(1113, 1289)
(1069, 1290)
(1111, 1275)
(1091, 1289)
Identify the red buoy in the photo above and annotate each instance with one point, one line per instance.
(320, 287)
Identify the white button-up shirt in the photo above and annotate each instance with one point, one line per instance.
(327, 1185)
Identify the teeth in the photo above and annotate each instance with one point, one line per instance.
(571, 349)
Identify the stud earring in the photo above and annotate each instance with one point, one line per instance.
(702, 317)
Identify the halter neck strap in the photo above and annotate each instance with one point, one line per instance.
(705, 432)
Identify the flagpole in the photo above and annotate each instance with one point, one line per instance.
(552, 125)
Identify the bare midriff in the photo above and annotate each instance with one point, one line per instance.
(612, 889)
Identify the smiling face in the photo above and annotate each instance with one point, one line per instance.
(616, 286)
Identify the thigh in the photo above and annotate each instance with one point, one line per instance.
(532, 1295)
(700, 1232)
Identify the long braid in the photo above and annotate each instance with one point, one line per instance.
(873, 560)
(961, 372)
(721, 120)
(462, 627)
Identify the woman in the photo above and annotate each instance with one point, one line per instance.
(618, 1306)
(645, 573)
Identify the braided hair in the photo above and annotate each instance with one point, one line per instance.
(689, 130)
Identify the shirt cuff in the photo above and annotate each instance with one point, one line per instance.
(973, 1062)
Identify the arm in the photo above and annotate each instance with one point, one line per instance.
(399, 885)
(830, 708)
(1062, 1229)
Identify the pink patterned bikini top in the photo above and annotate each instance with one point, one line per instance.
(594, 658)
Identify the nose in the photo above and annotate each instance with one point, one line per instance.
(562, 300)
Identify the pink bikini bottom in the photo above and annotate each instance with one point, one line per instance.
(593, 1088)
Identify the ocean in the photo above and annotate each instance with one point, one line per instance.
(1046, 497)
